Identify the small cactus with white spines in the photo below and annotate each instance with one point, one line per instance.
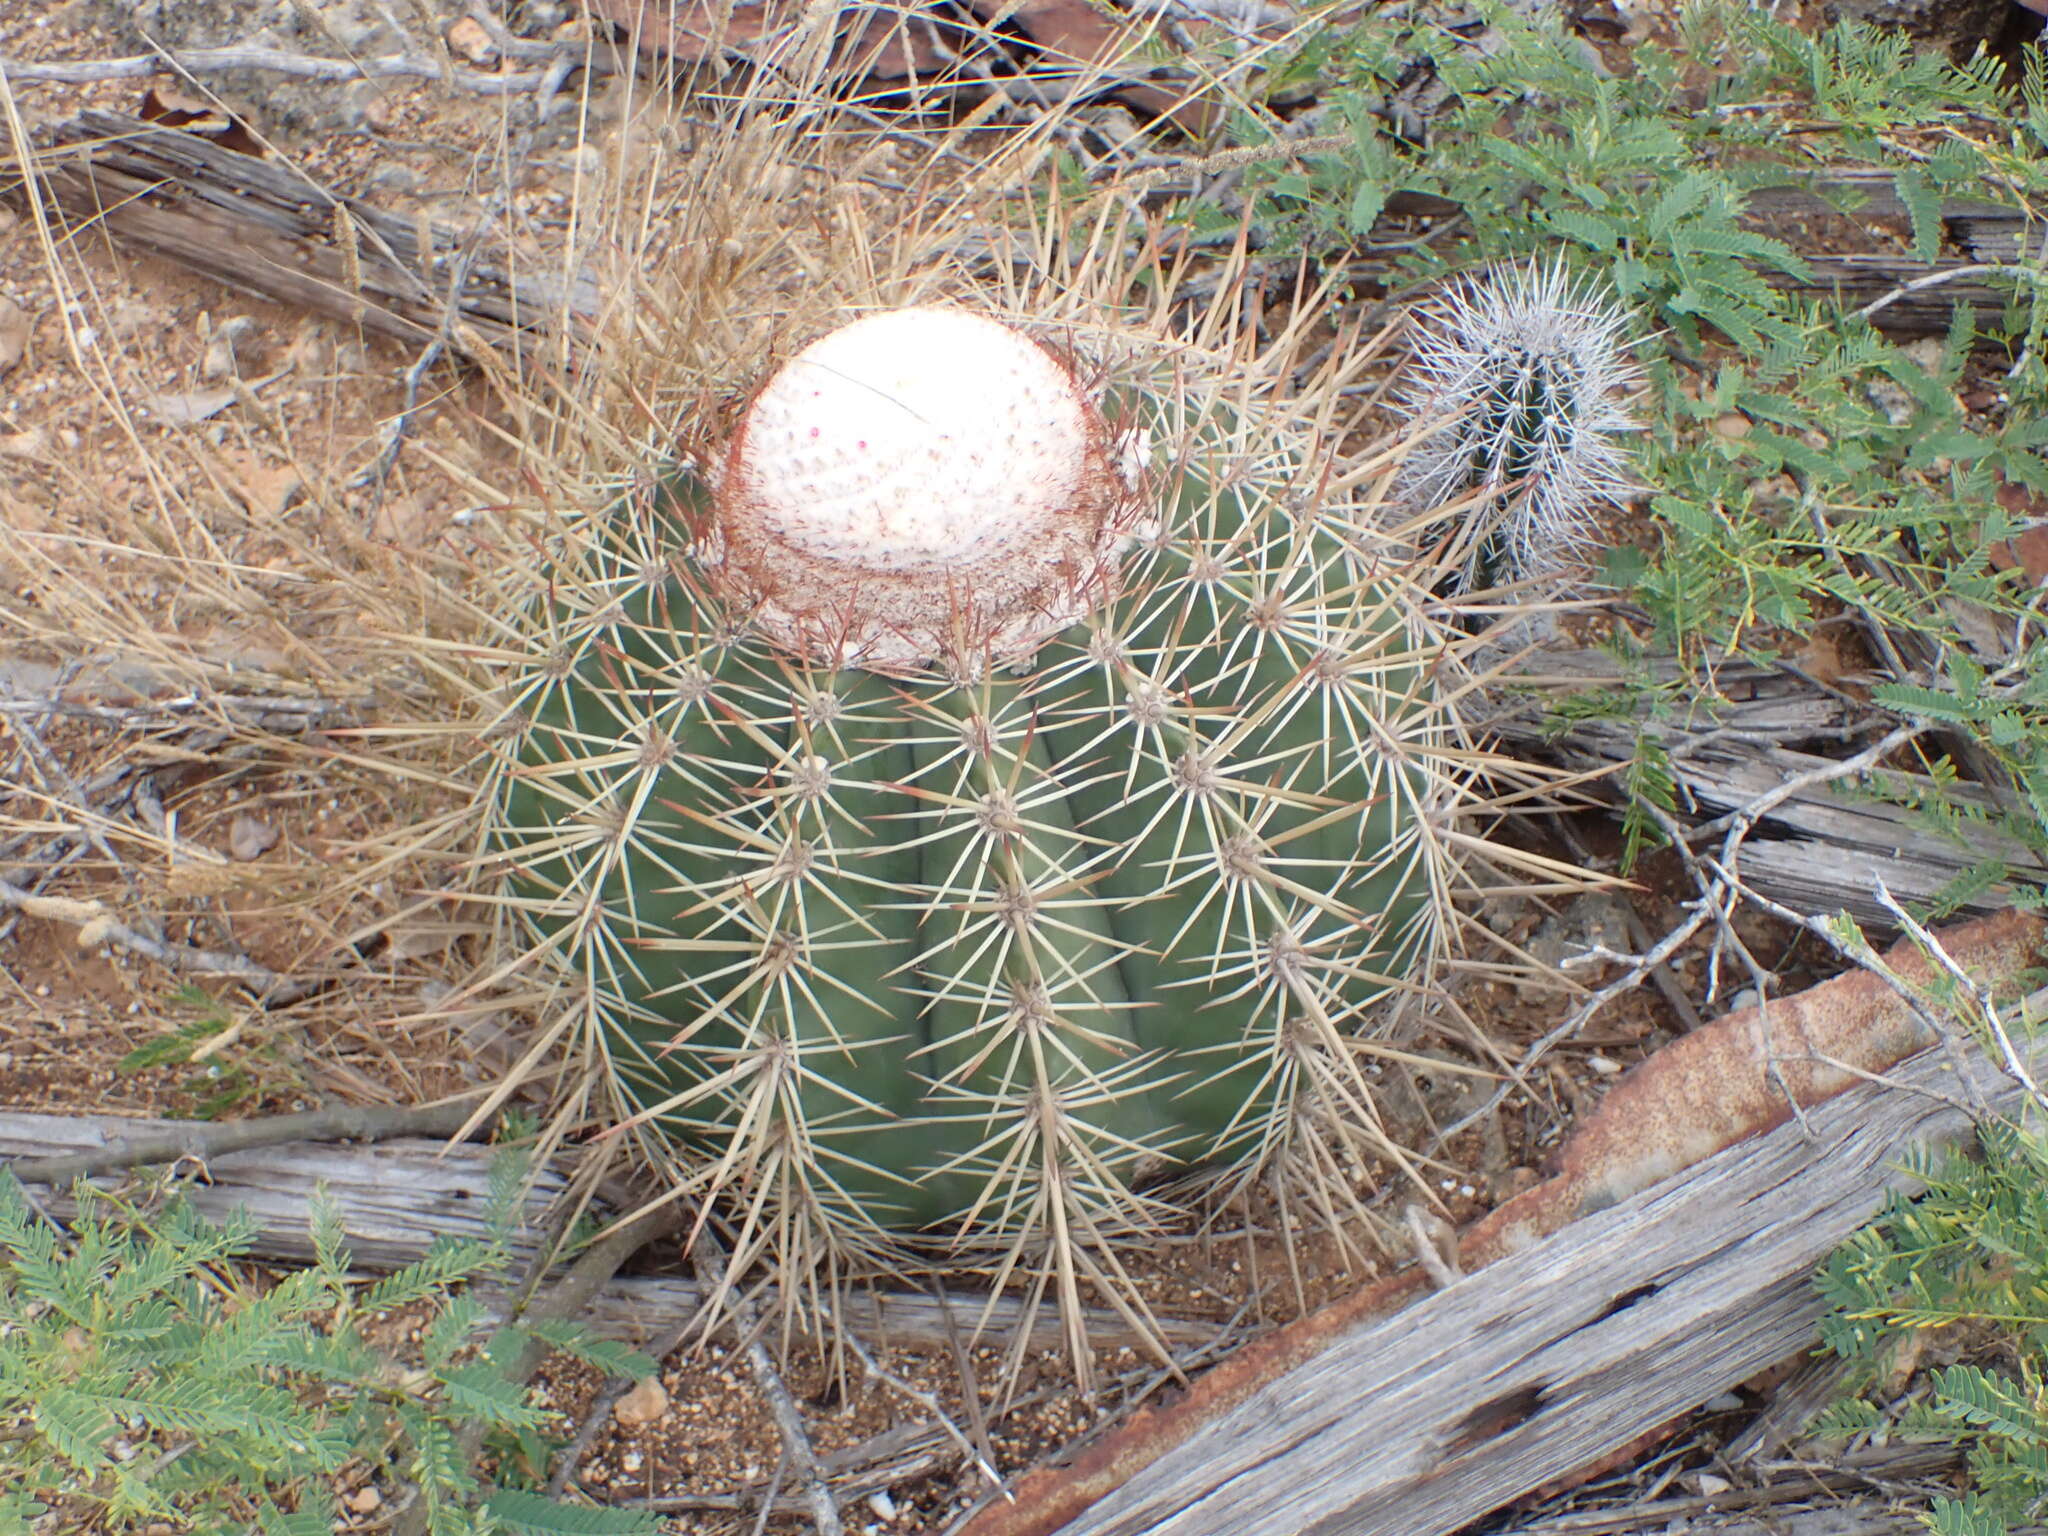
(1521, 376)
(963, 795)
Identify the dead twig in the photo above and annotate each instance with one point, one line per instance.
(26, 688)
(931, 1405)
(1863, 957)
(303, 66)
(201, 1141)
(970, 1388)
(379, 471)
(63, 790)
(709, 1257)
(1944, 276)
(96, 925)
(1986, 1007)
(1710, 906)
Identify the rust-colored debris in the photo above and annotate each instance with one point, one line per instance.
(1049, 48)
(1705, 1091)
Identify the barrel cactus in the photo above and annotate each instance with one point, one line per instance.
(979, 781)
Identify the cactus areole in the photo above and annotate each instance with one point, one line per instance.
(943, 819)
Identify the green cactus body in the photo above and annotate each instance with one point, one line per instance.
(976, 954)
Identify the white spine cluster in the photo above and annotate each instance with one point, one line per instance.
(1521, 378)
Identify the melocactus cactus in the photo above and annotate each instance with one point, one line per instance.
(964, 792)
(1523, 375)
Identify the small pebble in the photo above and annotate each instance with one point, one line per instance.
(468, 38)
(249, 838)
(645, 1403)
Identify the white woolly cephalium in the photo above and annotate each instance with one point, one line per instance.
(921, 482)
(1521, 375)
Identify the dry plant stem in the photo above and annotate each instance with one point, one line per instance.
(83, 802)
(893, 1457)
(1721, 887)
(1661, 975)
(1743, 819)
(982, 1461)
(1718, 899)
(304, 66)
(63, 789)
(970, 1388)
(707, 1254)
(566, 1301)
(355, 1122)
(41, 869)
(1979, 995)
(458, 278)
(1861, 957)
(1639, 969)
(281, 713)
(1736, 825)
(1938, 279)
(96, 927)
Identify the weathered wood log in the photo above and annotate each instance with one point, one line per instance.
(1823, 849)
(1921, 296)
(1980, 231)
(141, 696)
(263, 226)
(393, 1198)
(1549, 1359)
(1792, 1500)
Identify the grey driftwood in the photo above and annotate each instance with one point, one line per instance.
(395, 1197)
(261, 225)
(1545, 1361)
(1816, 852)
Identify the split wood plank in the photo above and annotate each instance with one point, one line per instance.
(261, 225)
(394, 1198)
(1548, 1359)
(1819, 850)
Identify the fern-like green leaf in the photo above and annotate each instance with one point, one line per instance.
(608, 1355)
(1990, 1403)
(530, 1514)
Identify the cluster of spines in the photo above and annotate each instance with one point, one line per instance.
(1520, 379)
